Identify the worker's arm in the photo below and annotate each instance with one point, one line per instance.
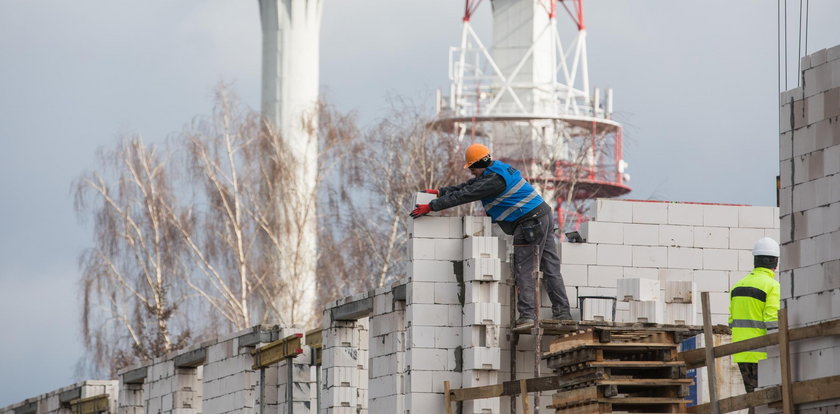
(771, 307)
(730, 307)
(483, 186)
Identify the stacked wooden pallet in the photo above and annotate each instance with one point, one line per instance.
(605, 370)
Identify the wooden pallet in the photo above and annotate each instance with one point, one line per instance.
(628, 370)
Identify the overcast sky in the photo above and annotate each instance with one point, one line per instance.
(695, 85)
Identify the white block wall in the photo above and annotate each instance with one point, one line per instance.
(50, 402)
(344, 365)
(810, 212)
(708, 245)
(387, 369)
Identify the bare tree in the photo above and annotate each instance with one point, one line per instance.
(132, 276)
(369, 202)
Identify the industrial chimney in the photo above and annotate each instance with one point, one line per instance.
(291, 41)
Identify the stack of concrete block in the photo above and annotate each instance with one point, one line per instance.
(168, 389)
(482, 316)
(344, 359)
(131, 400)
(809, 150)
(643, 296)
(387, 370)
(708, 244)
(229, 381)
(60, 401)
(681, 302)
(301, 391)
(434, 308)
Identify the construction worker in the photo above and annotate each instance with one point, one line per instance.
(519, 210)
(754, 307)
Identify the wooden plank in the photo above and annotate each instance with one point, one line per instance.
(710, 353)
(523, 391)
(784, 356)
(447, 398)
(642, 400)
(636, 364)
(577, 396)
(696, 357)
(288, 347)
(644, 382)
(820, 389)
(573, 340)
(477, 393)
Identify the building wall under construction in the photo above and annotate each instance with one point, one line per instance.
(809, 149)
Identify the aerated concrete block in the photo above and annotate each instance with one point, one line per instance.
(744, 238)
(712, 280)
(436, 227)
(614, 255)
(676, 236)
(611, 210)
(578, 253)
(720, 216)
(574, 275)
(649, 311)
(604, 276)
(482, 314)
(650, 256)
(423, 198)
(431, 271)
(597, 310)
(481, 291)
(482, 269)
(652, 212)
(711, 237)
(477, 226)
(480, 336)
(681, 313)
(641, 234)
(638, 290)
(480, 358)
(602, 232)
(758, 217)
(685, 258)
(685, 214)
(480, 247)
(679, 291)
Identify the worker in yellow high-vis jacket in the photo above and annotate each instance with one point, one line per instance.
(754, 307)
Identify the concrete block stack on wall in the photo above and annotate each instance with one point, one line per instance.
(434, 310)
(61, 401)
(707, 244)
(344, 360)
(482, 317)
(387, 369)
(809, 150)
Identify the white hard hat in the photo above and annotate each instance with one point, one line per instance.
(766, 247)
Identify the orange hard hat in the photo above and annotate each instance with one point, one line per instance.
(475, 152)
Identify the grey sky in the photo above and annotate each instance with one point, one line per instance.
(695, 84)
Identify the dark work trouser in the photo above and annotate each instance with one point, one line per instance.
(549, 260)
(749, 372)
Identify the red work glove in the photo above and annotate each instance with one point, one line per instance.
(421, 210)
(432, 191)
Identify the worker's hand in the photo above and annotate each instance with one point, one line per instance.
(432, 191)
(421, 210)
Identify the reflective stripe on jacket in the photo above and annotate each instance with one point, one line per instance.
(753, 308)
(518, 198)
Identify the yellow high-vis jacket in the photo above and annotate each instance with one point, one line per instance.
(753, 308)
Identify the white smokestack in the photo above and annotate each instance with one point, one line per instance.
(291, 42)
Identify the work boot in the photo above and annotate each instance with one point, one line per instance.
(522, 322)
(563, 315)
